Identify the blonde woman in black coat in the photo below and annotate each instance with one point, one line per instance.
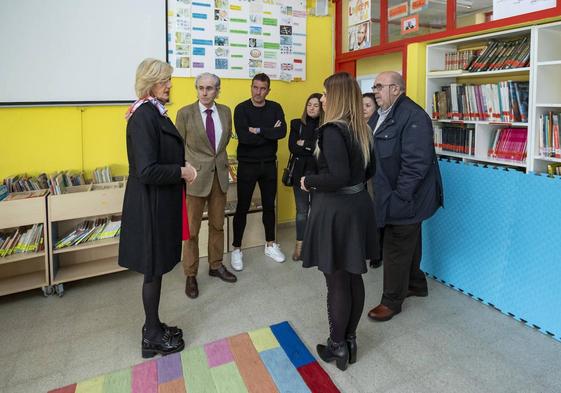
(341, 231)
(154, 221)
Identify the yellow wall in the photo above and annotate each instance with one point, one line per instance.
(46, 139)
(376, 64)
(416, 72)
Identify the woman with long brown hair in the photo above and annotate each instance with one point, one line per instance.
(341, 231)
(302, 143)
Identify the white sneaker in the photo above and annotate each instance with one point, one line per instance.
(274, 251)
(236, 260)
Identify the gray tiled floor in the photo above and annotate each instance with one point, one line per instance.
(444, 343)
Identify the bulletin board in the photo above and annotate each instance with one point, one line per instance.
(238, 39)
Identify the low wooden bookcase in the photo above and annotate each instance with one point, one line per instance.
(88, 259)
(22, 272)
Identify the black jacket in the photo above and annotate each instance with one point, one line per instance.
(407, 183)
(304, 160)
(151, 227)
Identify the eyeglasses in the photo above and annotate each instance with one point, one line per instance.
(380, 86)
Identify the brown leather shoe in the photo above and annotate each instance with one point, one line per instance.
(382, 313)
(191, 287)
(223, 274)
(412, 292)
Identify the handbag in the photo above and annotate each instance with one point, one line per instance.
(288, 172)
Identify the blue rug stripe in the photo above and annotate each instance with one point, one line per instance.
(292, 345)
(285, 375)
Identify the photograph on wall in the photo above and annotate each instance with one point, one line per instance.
(410, 24)
(359, 11)
(398, 11)
(359, 36)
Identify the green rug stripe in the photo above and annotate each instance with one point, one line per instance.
(196, 373)
(228, 379)
(118, 382)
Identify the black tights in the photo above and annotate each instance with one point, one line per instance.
(345, 302)
(151, 289)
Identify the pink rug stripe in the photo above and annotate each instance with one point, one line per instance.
(145, 378)
(218, 353)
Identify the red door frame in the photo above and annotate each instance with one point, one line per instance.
(347, 61)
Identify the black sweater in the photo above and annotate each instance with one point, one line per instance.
(305, 162)
(340, 162)
(260, 147)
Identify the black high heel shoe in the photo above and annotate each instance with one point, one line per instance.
(164, 346)
(334, 351)
(352, 347)
(171, 330)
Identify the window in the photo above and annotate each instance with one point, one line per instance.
(411, 18)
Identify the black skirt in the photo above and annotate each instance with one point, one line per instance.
(340, 233)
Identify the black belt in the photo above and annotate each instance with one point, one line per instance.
(351, 189)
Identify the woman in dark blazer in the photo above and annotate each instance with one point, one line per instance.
(302, 142)
(154, 215)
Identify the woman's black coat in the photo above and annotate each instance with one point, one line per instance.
(305, 162)
(151, 227)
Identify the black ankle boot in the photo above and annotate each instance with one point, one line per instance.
(334, 351)
(164, 346)
(352, 347)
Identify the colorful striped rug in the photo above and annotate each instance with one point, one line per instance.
(268, 360)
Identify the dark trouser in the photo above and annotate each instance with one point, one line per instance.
(381, 245)
(249, 173)
(345, 302)
(402, 260)
(302, 199)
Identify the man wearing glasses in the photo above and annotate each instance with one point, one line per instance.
(407, 188)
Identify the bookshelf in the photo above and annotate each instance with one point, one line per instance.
(25, 271)
(88, 259)
(546, 93)
(480, 134)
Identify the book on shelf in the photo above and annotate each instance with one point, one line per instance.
(3, 191)
(554, 169)
(509, 144)
(456, 139)
(90, 230)
(459, 60)
(23, 182)
(504, 101)
(503, 54)
(102, 175)
(549, 135)
(22, 240)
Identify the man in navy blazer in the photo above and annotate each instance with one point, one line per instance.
(407, 187)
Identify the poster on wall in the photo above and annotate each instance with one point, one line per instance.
(417, 5)
(410, 24)
(359, 11)
(359, 36)
(238, 39)
(398, 11)
(507, 8)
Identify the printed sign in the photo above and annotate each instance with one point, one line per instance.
(398, 11)
(410, 24)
